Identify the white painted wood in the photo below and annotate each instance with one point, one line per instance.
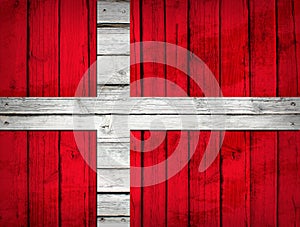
(113, 93)
(112, 100)
(113, 180)
(113, 41)
(113, 155)
(113, 70)
(114, 127)
(113, 221)
(112, 11)
(113, 204)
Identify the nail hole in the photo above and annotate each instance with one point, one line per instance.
(293, 103)
(292, 124)
(123, 220)
(104, 10)
(102, 219)
(6, 105)
(6, 123)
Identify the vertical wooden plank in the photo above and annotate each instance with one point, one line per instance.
(154, 197)
(153, 17)
(92, 45)
(235, 174)
(177, 186)
(135, 36)
(43, 178)
(297, 36)
(92, 176)
(235, 156)
(13, 152)
(176, 20)
(288, 22)
(43, 81)
(13, 46)
(263, 160)
(288, 64)
(77, 180)
(43, 49)
(263, 48)
(136, 200)
(204, 186)
(74, 47)
(263, 178)
(153, 29)
(77, 51)
(288, 179)
(14, 185)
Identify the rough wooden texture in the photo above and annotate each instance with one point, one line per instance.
(112, 101)
(204, 22)
(113, 180)
(113, 205)
(113, 221)
(113, 70)
(113, 41)
(14, 185)
(13, 54)
(143, 122)
(234, 80)
(112, 12)
(46, 46)
(13, 151)
(263, 145)
(43, 178)
(288, 62)
(113, 155)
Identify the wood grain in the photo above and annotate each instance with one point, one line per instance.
(113, 180)
(113, 155)
(113, 205)
(263, 82)
(43, 178)
(13, 57)
(14, 178)
(77, 180)
(113, 41)
(176, 85)
(109, 221)
(204, 187)
(113, 70)
(13, 151)
(43, 81)
(43, 58)
(113, 12)
(112, 96)
(102, 123)
(235, 152)
(288, 199)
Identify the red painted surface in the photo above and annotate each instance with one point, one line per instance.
(204, 192)
(252, 48)
(46, 47)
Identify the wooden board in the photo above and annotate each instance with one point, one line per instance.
(211, 27)
(112, 12)
(45, 51)
(263, 145)
(288, 198)
(13, 150)
(204, 187)
(262, 60)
